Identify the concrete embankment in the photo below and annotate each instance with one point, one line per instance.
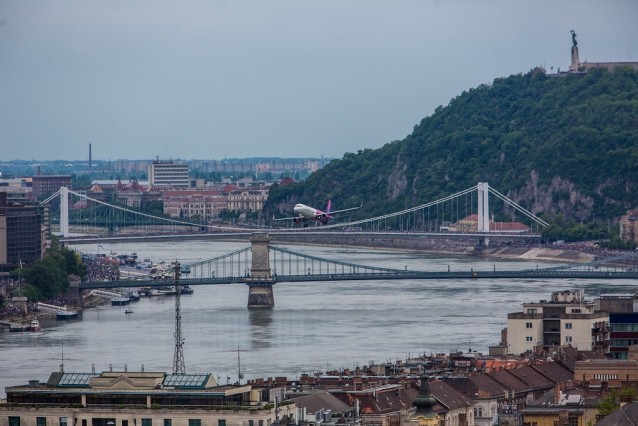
(442, 246)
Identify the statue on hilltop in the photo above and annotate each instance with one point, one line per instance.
(574, 38)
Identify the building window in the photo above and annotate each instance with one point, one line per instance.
(124, 422)
(572, 421)
(261, 423)
(531, 311)
(576, 311)
(568, 326)
(529, 339)
(568, 339)
(528, 325)
(84, 422)
(251, 423)
(41, 421)
(221, 422)
(147, 422)
(478, 411)
(14, 421)
(62, 421)
(194, 422)
(168, 422)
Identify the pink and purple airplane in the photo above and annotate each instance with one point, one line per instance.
(306, 213)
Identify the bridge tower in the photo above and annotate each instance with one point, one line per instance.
(64, 211)
(260, 282)
(484, 209)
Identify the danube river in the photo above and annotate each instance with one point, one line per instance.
(313, 326)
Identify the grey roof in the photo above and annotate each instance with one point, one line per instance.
(54, 378)
(314, 403)
(627, 415)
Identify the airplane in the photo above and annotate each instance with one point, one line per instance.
(306, 213)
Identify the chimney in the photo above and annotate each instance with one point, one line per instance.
(142, 368)
(557, 390)
(92, 368)
(125, 368)
(111, 368)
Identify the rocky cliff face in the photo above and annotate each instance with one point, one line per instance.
(560, 196)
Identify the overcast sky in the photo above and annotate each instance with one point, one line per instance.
(215, 79)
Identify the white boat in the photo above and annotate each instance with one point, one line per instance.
(128, 311)
(160, 291)
(34, 326)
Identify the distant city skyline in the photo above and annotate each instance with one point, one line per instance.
(199, 79)
(234, 159)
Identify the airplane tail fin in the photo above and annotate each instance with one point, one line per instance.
(329, 206)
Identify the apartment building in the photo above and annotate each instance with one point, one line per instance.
(22, 234)
(135, 398)
(567, 318)
(164, 173)
(45, 185)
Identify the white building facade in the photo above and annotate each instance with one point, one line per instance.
(168, 173)
(565, 319)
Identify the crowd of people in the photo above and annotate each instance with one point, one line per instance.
(100, 269)
(10, 310)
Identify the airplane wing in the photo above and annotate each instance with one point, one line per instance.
(345, 210)
(288, 218)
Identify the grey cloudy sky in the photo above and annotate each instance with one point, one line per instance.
(209, 79)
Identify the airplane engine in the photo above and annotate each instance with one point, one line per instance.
(297, 220)
(323, 216)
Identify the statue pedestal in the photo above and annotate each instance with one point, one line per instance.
(20, 303)
(575, 59)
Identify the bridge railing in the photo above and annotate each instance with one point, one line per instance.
(282, 266)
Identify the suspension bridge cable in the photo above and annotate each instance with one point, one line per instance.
(402, 212)
(519, 208)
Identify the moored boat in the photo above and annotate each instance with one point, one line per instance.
(16, 328)
(65, 315)
(35, 325)
(162, 291)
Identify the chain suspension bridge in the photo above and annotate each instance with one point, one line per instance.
(261, 265)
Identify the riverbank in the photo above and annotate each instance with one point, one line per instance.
(25, 319)
(520, 252)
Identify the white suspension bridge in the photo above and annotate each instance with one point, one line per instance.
(433, 219)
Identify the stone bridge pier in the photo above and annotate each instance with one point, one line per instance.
(260, 282)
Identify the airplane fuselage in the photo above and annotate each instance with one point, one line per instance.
(305, 213)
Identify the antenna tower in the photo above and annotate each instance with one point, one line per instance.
(179, 367)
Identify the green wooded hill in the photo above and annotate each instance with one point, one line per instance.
(557, 145)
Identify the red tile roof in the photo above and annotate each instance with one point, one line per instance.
(508, 226)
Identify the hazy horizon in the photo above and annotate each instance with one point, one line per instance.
(208, 80)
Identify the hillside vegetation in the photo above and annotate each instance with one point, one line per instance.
(556, 145)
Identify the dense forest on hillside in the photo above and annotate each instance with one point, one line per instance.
(556, 145)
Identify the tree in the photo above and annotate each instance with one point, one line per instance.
(49, 278)
(55, 243)
(609, 404)
(73, 262)
(32, 293)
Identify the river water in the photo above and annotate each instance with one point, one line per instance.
(313, 326)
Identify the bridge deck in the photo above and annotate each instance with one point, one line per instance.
(408, 275)
(304, 235)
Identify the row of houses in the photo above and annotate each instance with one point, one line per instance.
(204, 204)
(439, 390)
